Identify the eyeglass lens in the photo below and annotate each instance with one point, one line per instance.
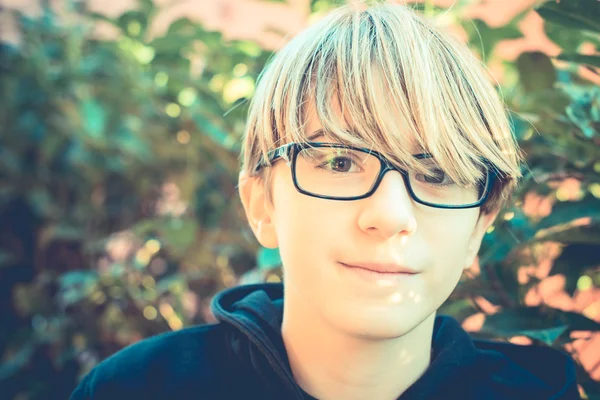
(344, 173)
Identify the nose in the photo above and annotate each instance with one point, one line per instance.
(388, 211)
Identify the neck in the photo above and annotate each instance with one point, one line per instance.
(330, 364)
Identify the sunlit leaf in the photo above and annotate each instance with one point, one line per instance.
(94, 118)
(177, 234)
(128, 18)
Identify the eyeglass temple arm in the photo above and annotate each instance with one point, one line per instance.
(273, 155)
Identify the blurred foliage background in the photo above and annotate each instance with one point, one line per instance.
(119, 160)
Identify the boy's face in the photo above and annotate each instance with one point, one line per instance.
(318, 238)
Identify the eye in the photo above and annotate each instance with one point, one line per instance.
(341, 161)
(436, 177)
(340, 164)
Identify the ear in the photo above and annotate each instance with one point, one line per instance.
(258, 211)
(483, 223)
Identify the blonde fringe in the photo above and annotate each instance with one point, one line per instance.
(384, 78)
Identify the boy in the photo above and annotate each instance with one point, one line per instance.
(375, 158)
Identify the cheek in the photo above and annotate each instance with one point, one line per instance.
(304, 223)
(305, 226)
(448, 236)
(308, 226)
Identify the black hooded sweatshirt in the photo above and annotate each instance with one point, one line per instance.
(243, 357)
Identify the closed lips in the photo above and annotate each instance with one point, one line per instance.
(382, 268)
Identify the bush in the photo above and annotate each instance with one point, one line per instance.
(119, 162)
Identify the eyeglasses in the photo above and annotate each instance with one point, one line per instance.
(335, 171)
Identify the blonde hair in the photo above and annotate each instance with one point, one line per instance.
(399, 83)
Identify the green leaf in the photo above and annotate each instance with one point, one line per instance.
(577, 14)
(548, 336)
(76, 285)
(564, 38)
(218, 135)
(520, 127)
(580, 59)
(15, 363)
(589, 234)
(179, 234)
(268, 258)
(536, 322)
(584, 111)
(94, 118)
(169, 282)
(10, 161)
(536, 72)
(52, 147)
(182, 24)
(249, 48)
(42, 202)
(133, 18)
(147, 7)
(512, 322)
(565, 212)
(78, 278)
(59, 232)
(578, 322)
(171, 45)
(129, 142)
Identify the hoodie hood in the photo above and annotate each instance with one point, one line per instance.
(255, 313)
(460, 366)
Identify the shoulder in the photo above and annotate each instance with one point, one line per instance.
(160, 366)
(526, 371)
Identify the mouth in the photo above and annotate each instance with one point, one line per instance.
(382, 269)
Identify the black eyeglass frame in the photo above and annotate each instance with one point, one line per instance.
(290, 152)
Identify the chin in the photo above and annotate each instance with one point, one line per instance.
(379, 329)
(380, 335)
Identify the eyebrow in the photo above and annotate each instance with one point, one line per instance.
(316, 134)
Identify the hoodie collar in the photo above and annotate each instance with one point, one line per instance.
(256, 312)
